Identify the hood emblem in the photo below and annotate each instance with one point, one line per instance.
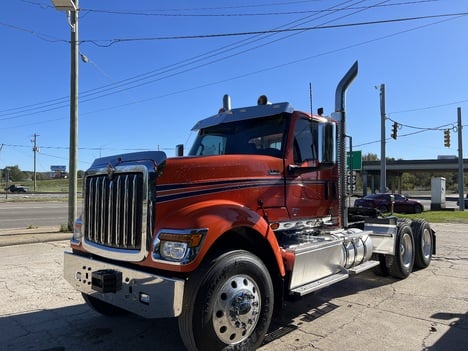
(110, 171)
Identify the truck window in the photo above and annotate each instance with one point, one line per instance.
(211, 145)
(305, 141)
(260, 136)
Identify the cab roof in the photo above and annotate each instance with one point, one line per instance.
(244, 113)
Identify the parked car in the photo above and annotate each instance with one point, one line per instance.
(14, 188)
(382, 202)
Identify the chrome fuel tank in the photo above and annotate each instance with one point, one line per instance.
(321, 256)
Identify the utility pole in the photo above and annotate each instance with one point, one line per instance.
(7, 181)
(72, 8)
(73, 184)
(383, 157)
(35, 150)
(461, 180)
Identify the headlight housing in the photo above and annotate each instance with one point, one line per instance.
(77, 231)
(180, 246)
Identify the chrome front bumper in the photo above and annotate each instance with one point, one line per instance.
(144, 294)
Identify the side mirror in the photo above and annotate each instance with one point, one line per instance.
(180, 150)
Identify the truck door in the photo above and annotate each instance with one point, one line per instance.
(310, 181)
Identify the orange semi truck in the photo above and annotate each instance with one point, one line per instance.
(253, 215)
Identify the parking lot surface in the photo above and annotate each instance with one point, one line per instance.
(427, 311)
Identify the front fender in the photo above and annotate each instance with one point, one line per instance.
(219, 217)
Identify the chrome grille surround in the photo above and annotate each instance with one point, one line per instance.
(115, 212)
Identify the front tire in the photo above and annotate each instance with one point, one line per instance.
(228, 304)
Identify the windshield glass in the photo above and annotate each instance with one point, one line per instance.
(261, 136)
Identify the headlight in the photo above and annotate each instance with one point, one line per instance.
(178, 245)
(173, 250)
(77, 233)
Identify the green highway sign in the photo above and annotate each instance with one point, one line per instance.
(357, 160)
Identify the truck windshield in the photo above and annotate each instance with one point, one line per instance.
(261, 136)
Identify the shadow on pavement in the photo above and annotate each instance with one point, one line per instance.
(80, 328)
(456, 338)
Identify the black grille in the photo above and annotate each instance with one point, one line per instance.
(113, 210)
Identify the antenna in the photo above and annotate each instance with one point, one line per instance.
(310, 98)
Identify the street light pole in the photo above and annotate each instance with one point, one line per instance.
(383, 156)
(73, 184)
(71, 6)
(461, 179)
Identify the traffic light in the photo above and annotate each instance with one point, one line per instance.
(447, 138)
(394, 130)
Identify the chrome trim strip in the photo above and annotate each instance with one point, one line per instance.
(309, 223)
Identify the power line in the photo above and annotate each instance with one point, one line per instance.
(419, 131)
(420, 128)
(62, 102)
(269, 31)
(41, 36)
(265, 70)
(211, 54)
(179, 13)
(428, 107)
(141, 79)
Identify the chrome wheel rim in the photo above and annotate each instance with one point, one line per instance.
(426, 243)
(236, 309)
(406, 250)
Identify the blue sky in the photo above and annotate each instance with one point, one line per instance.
(144, 86)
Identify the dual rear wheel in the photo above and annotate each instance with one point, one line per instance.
(413, 249)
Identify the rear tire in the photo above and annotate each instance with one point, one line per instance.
(403, 261)
(424, 243)
(228, 304)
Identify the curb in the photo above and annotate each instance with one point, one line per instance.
(20, 236)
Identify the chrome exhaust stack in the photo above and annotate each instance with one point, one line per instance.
(340, 116)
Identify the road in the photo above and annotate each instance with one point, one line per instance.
(24, 214)
(427, 311)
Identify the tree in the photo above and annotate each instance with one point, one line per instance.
(370, 157)
(14, 173)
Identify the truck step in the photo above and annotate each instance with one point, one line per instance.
(319, 284)
(363, 267)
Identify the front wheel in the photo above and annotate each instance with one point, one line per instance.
(228, 304)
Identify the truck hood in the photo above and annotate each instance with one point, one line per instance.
(241, 178)
(156, 158)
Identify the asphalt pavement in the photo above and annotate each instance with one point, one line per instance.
(428, 311)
